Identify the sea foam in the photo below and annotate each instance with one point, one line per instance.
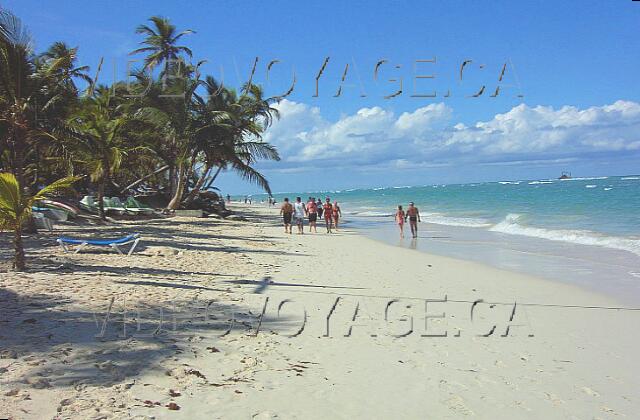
(439, 219)
(511, 225)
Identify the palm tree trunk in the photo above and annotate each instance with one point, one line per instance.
(101, 187)
(172, 180)
(101, 212)
(196, 189)
(18, 168)
(177, 196)
(210, 183)
(19, 258)
(18, 164)
(144, 178)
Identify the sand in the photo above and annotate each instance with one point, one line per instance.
(259, 324)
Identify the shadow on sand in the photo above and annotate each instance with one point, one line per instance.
(68, 346)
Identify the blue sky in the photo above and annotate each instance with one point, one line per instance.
(573, 62)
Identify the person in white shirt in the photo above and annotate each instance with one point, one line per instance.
(299, 213)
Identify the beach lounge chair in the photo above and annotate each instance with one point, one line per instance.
(88, 203)
(113, 205)
(133, 210)
(113, 243)
(137, 207)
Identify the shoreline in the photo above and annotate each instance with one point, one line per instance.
(381, 234)
(593, 268)
(580, 362)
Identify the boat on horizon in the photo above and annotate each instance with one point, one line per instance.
(565, 175)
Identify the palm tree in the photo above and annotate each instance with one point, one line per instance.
(18, 87)
(160, 43)
(64, 60)
(97, 128)
(237, 144)
(32, 95)
(59, 96)
(15, 209)
(175, 124)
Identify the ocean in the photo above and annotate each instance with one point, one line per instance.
(584, 231)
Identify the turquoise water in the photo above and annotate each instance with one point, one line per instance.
(582, 231)
(600, 211)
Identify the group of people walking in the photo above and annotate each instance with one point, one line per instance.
(312, 210)
(296, 213)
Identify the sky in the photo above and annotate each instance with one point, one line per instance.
(568, 98)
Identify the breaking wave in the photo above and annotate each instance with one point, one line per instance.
(512, 225)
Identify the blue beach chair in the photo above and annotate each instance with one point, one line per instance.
(113, 243)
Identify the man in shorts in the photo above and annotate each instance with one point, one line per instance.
(319, 208)
(414, 217)
(299, 213)
(312, 211)
(286, 211)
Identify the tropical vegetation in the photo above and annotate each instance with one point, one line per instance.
(172, 130)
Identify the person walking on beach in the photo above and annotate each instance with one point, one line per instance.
(319, 208)
(299, 212)
(327, 209)
(312, 210)
(414, 217)
(286, 211)
(400, 221)
(336, 213)
(228, 198)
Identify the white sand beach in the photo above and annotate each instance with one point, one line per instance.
(292, 351)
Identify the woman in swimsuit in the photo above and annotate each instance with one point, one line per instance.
(400, 221)
(336, 213)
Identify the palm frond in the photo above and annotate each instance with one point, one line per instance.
(55, 187)
(10, 197)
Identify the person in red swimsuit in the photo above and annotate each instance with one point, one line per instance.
(328, 213)
(400, 220)
(336, 213)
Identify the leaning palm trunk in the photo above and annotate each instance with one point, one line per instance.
(213, 178)
(174, 204)
(196, 189)
(144, 178)
(172, 180)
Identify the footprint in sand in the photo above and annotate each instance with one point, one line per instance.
(500, 364)
(553, 398)
(456, 403)
(590, 391)
(265, 415)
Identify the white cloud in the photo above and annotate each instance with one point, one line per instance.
(541, 130)
(428, 135)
